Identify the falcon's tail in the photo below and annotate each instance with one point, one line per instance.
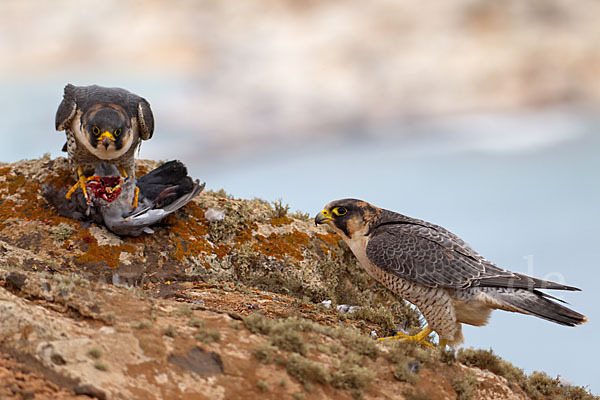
(534, 302)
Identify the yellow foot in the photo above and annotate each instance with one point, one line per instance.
(80, 183)
(135, 197)
(123, 172)
(419, 338)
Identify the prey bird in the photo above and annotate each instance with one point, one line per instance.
(162, 191)
(448, 281)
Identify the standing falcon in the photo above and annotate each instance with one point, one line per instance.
(438, 272)
(102, 124)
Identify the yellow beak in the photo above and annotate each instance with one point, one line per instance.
(323, 217)
(107, 135)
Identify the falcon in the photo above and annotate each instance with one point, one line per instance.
(448, 281)
(102, 124)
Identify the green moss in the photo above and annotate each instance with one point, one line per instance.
(465, 386)
(95, 352)
(306, 371)
(539, 383)
(286, 335)
(486, 359)
(405, 352)
(141, 325)
(351, 374)
(357, 341)
(575, 393)
(265, 352)
(239, 215)
(280, 210)
(301, 216)
(262, 386)
(184, 310)
(100, 365)
(221, 193)
(447, 356)
(208, 335)
(62, 231)
(170, 331)
(109, 317)
(379, 315)
(403, 373)
(197, 322)
(257, 323)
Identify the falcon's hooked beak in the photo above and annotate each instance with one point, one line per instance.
(323, 217)
(106, 138)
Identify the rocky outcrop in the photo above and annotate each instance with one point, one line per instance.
(209, 310)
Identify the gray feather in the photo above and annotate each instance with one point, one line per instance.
(539, 304)
(430, 255)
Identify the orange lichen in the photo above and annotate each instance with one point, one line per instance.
(243, 236)
(279, 246)
(29, 205)
(188, 232)
(140, 170)
(95, 253)
(61, 178)
(331, 239)
(281, 221)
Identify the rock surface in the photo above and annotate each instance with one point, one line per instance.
(209, 310)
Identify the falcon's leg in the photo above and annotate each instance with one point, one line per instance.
(419, 338)
(80, 183)
(136, 194)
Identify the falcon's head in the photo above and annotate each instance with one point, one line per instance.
(349, 217)
(107, 130)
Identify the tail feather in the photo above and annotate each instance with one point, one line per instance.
(536, 303)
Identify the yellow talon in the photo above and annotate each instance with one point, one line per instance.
(419, 338)
(135, 197)
(72, 190)
(80, 183)
(123, 172)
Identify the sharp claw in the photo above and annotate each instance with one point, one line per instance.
(135, 197)
(419, 338)
(71, 191)
(81, 182)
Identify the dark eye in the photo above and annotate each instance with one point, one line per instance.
(117, 132)
(340, 211)
(96, 130)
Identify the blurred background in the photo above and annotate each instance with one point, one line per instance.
(477, 115)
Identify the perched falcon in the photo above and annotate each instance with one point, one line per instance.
(448, 281)
(102, 124)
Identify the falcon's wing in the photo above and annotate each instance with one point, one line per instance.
(436, 258)
(145, 119)
(66, 109)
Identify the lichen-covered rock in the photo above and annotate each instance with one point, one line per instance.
(209, 310)
(256, 243)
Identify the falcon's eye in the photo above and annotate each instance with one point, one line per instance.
(96, 130)
(117, 132)
(340, 211)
